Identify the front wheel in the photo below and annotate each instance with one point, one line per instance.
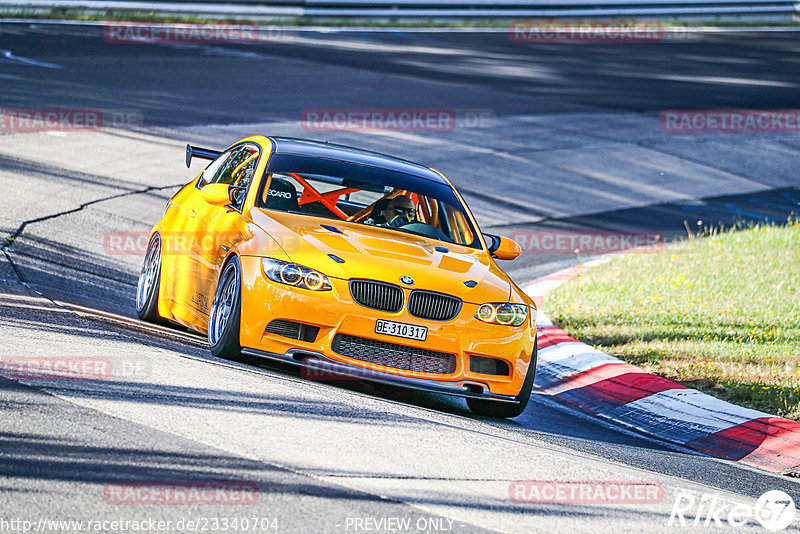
(506, 410)
(226, 312)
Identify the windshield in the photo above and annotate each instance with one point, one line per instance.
(366, 195)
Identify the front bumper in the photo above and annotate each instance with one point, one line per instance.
(318, 366)
(335, 312)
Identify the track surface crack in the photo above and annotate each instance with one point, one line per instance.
(9, 241)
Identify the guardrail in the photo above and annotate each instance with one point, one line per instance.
(548, 8)
(445, 9)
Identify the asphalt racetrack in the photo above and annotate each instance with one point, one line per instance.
(548, 137)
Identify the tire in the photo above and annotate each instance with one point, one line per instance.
(149, 285)
(506, 410)
(226, 312)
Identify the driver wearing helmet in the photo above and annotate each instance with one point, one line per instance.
(400, 211)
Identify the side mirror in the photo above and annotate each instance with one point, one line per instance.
(217, 194)
(502, 248)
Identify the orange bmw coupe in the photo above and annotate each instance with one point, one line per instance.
(353, 262)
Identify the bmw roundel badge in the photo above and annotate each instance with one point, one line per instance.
(407, 280)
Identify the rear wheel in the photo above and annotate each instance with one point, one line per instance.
(505, 410)
(150, 283)
(226, 312)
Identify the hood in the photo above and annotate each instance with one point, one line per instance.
(386, 255)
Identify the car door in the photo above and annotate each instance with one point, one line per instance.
(218, 228)
(179, 239)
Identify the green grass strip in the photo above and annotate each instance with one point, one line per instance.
(719, 313)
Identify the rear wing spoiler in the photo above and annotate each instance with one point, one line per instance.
(202, 153)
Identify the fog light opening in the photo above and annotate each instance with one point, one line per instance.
(475, 388)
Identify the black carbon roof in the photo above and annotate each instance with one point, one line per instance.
(307, 147)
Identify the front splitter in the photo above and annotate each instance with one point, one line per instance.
(322, 366)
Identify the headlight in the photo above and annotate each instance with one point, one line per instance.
(502, 313)
(295, 275)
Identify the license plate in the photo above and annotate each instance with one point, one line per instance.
(409, 331)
